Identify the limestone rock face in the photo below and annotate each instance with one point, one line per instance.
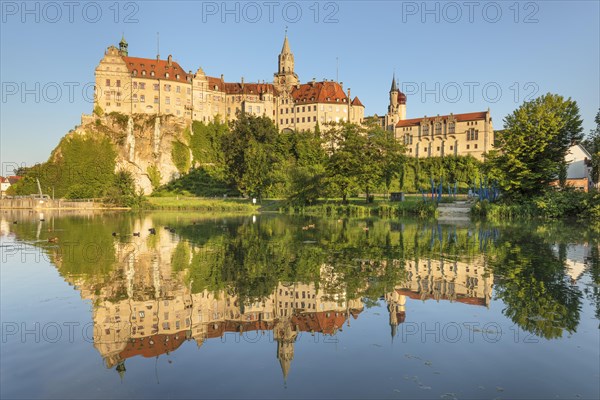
(141, 142)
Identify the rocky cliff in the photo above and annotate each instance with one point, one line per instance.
(153, 149)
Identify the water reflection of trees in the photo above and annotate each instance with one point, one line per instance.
(368, 257)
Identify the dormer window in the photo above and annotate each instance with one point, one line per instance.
(135, 72)
(177, 76)
(166, 75)
(151, 73)
(143, 73)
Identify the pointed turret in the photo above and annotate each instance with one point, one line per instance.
(123, 46)
(285, 49)
(394, 88)
(285, 77)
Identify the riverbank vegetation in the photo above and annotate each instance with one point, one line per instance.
(531, 155)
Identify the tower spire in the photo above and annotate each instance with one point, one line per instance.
(394, 87)
(285, 49)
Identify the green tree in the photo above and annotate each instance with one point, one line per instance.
(533, 145)
(251, 140)
(180, 154)
(345, 167)
(592, 144)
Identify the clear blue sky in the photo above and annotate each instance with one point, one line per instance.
(532, 48)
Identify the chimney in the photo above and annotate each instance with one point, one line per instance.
(342, 84)
(169, 60)
(242, 82)
(221, 77)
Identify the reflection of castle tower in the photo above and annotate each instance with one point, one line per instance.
(396, 308)
(285, 334)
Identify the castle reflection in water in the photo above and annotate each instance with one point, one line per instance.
(148, 308)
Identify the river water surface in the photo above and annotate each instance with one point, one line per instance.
(272, 306)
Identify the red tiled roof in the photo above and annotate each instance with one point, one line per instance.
(14, 179)
(249, 88)
(319, 92)
(356, 102)
(160, 68)
(212, 82)
(401, 98)
(238, 88)
(3, 179)
(480, 115)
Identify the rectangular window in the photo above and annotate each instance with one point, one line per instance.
(303, 109)
(142, 85)
(135, 85)
(315, 108)
(281, 122)
(178, 89)
(108, 82)
(156, 87)
(118, 83)
(315, 118)
(167, 100)
(142, 98)
(250, 109)
(178, 101)
(155, 99)
(258, 109)
(189, 91)
(303, 119)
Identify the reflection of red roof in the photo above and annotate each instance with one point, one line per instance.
(218, 329)
(476, 301)
(160, 68)
(152, 346)
(401, 316)
(459, 118)
(319, 92)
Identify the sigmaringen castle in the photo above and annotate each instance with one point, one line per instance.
(133, 85)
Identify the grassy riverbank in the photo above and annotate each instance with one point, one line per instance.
(551, 205)
(201, 204)
(355, 207)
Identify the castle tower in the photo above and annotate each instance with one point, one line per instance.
(285, 76)
(397, 106)
(123, 46)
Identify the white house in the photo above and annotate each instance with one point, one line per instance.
(579, 168)
(4, 185)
